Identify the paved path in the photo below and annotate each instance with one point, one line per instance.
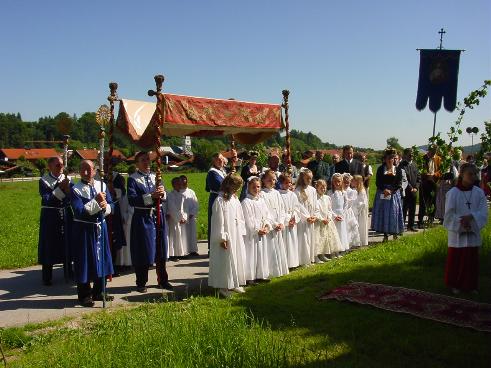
(23, 298)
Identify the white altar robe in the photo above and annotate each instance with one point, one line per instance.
(278, 262)
(290, 236)
(256, 216)
(305, 231)
(176, 230)
(191, 208)
(227, 266)
(339, 205)
(360, 208)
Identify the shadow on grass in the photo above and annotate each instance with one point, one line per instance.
(364, 335)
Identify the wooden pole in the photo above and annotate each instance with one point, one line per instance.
(233, 159)
(102, 134)
(286, 93)
(162, 277)
(113, 86)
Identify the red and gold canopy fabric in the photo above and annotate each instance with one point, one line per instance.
(249, 122)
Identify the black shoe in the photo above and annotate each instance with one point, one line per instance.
(87, 302)
(251, 283)
(166, 285)
(47, 282)
(194, 254)
(141, 289)
(98, 297)
(412, 229)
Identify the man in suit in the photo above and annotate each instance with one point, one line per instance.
(319, 168)
(349, 164)
(429, 180)
(411, 191)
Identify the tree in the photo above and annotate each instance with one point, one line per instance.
(394, 143)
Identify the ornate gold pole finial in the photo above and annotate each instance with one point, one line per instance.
(286, 93)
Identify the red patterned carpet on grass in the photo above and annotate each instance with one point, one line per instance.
(441, 308)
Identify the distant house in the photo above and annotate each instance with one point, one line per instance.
(93, 154)
(31, 154)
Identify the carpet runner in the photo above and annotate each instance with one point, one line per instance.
(441, 308)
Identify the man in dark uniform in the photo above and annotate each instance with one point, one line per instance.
(142, 195)
(54, 188)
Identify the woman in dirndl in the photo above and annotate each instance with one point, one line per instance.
(387, 217)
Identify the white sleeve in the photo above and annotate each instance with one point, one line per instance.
(450, 220)
(147, 199)
(58, 193)
(92, 207)
(480, 215)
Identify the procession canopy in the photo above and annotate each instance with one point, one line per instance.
(248, 122)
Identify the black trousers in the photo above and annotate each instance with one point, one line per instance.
(427, 200)
(141, 273)
(84, 290)
(409, 209)
(47, 272)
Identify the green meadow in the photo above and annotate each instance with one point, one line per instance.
(280, 324)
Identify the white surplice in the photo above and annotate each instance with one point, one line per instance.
(292, 208)
(176, 231)
(191, 208)
(256, 216)
(306, 231)
(339, 205)
(457, 205)
(360, 208)
(278, 262)
(227, 266)
(351, 221)
(326, 235)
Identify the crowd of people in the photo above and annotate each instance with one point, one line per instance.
(283, 218)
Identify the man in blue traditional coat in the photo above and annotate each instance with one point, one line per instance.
(91, 203)
(142, 195)
(54, 188)
(214, 179)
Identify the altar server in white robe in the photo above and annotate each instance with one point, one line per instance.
(360, 208)
(327, 239)
(351, 221)
(309, 213)
(466, 213)
(191, 208)
(258, 224)
(292, 218)
(278, 263)
(176, 221)
(339, 203)
(227, 252)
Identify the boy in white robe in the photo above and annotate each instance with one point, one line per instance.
(191, 208)
(278, 262)
(258, 225)
(227, 231)
(466, 213)
(176, 221)
(292, 218)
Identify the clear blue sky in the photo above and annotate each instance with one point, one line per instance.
(351, 66)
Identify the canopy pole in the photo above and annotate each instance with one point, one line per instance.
(162, 277)
(113, 87)
(286, 93)
(102, 134)
(233, 159)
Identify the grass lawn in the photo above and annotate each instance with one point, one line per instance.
(19, 220)
(280, 324)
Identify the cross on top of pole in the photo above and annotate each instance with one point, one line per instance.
(441, 32)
